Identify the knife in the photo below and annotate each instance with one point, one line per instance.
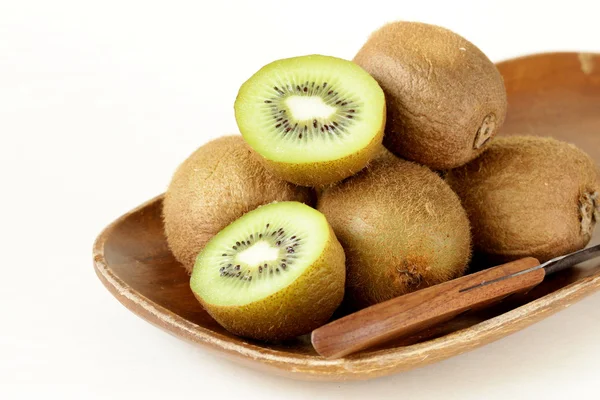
(413, 312)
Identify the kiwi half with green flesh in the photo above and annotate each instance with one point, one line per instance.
(402, 229)
(275, 273)
(445, 98)
(214, 186)
(529, 196)
(313, 120)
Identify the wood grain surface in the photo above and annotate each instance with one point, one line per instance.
(410, 314)
(554, 94)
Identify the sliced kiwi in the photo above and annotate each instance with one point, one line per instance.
(529, 196)
(314, 119)
(275, 273)
(402, 229)
(215, 185)
(445, 98)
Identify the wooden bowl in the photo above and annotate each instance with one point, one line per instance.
(548, 94)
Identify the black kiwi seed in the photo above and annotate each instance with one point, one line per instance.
(237, 267)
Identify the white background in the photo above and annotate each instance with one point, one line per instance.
(100, 101)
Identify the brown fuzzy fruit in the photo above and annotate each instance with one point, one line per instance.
(445, 98)
(529, 196)
(402, 229)
(217, 184)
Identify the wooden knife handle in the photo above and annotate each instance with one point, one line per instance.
(413, 312)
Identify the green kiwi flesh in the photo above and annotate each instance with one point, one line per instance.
(214, 186)
(402, 229)
(273, 274)
(445, 98)
(529, 196)
(313, 120)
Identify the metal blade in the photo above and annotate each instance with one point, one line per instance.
(560, 263)
(551, 266)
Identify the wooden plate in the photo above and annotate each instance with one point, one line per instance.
(549, 94)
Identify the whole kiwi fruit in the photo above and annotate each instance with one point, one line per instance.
(214, 186)
(273, 274)
(529, 196)
(402, 229)
(445, 98)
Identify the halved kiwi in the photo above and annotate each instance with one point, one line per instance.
(275, 273)
(402, 229)
(313, 120)
(214, 186)
(529, 196)
(445, 98)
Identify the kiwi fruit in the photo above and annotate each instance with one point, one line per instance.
(313, 120)
(529, 196)
(273, 274)
(445, 98)
(402, 229)
(214, 186)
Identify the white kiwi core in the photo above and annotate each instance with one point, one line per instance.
(307, 108)
(258, 253)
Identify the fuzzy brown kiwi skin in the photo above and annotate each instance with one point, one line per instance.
(318, 174)
(217, 184)
(524, 197)
(304, 305)
(402, 229)
(442, 93)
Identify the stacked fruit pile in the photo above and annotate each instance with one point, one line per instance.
(321, 201)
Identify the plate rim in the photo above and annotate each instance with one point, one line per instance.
(357, 367)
